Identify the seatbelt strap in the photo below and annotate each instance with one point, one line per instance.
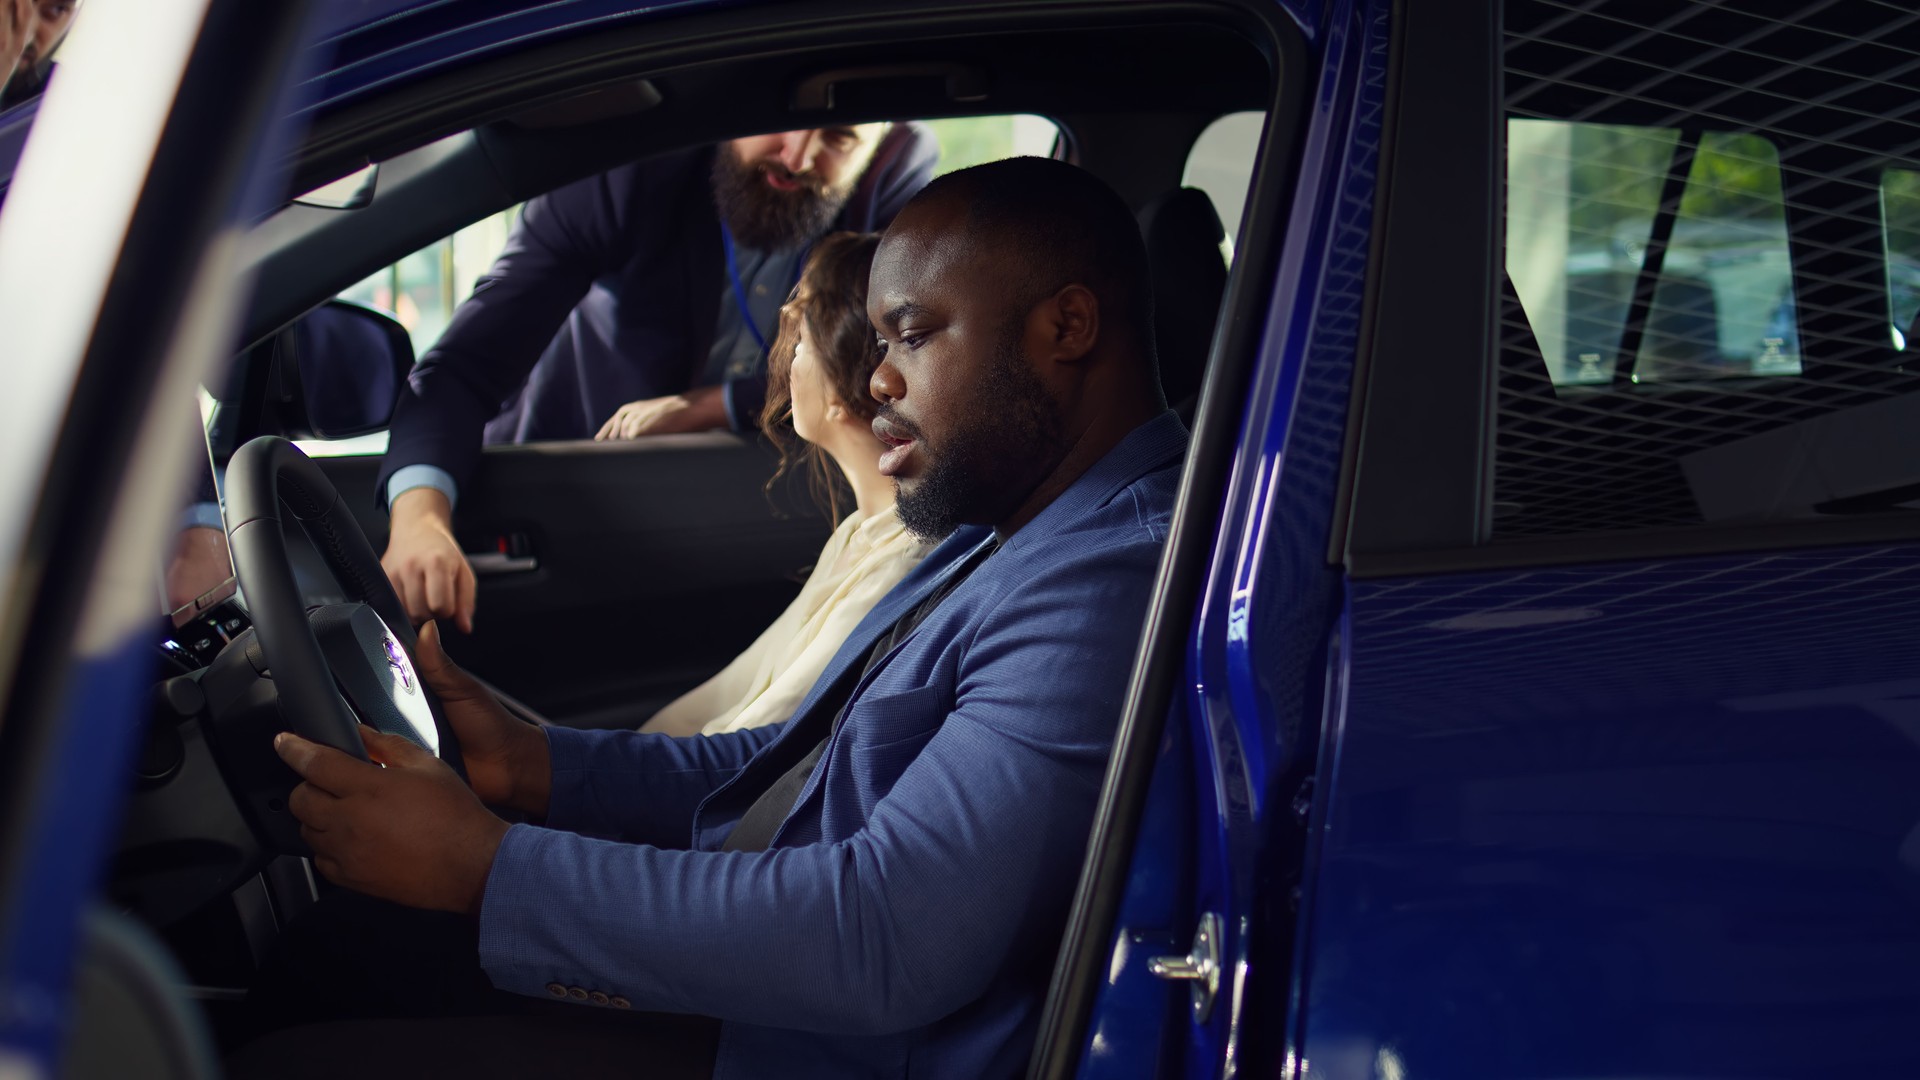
(758, 826)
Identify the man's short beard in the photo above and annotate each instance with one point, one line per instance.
(767, 219)
(1013, 430)
(29, 80)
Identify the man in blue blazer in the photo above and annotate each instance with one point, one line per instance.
(878, 886)
(636, 302)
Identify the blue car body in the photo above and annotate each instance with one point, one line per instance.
(1587, 816)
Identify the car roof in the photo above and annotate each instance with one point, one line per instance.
(376, 44)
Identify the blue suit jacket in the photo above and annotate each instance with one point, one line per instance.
(608, 291)
(905, 919)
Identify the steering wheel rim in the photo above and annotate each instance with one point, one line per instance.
(265, 477)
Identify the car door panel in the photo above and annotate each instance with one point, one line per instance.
(121, 282)
(1250, 658)
(615, 576)
(1618, 786)
(1632, 791)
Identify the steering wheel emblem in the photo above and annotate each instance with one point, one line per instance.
(397, 660)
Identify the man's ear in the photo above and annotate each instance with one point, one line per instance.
(1073, 317)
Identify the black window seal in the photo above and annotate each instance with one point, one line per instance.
(1342, 518)
(1419, 476)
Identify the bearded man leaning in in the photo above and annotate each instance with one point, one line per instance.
(878, 886)
(637, 302)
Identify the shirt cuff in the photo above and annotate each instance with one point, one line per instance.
(733, 415)
(202, 515)
(417, 476)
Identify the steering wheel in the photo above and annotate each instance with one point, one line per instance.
(338, 666)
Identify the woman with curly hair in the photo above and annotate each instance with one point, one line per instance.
(818, 370)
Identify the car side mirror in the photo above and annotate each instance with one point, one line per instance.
(338, 370)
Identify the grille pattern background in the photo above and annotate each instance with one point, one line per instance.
(1835, 86)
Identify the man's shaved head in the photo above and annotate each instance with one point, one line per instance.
(1015, 319)
(1047, 224)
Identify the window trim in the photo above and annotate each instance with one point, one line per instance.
(1429, 486)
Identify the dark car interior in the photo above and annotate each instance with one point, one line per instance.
(599, 573)
(629, 572)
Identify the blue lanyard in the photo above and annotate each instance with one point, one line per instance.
(740, 290)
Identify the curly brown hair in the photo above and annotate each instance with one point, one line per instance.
(832, 298)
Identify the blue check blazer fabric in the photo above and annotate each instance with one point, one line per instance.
(905, 919)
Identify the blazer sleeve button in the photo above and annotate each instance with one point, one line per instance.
(622, 1003)
(597, 998)
(556, 990)
(577, 993)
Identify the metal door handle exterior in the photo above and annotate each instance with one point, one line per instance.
(1199, 969)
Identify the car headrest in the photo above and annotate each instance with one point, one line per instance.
(1183, 236)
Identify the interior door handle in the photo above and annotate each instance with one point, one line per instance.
(494, 563)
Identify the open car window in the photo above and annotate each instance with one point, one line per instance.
(423, 289)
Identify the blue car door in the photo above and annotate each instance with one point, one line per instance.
(1177, 959)
(1620, 771)
(118, 292)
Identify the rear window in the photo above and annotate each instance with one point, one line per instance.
(1712, 263)
(1649, 254)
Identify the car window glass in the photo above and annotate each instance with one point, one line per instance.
(1221, 164)
(1592, 222)
(975, 140)
(423, 289)
(1900, 216)
(1664, 356)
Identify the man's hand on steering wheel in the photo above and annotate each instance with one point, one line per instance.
(506, 758)
(410, 832)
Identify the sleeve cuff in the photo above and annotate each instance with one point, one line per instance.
(733, 412)
(567, 795)
(202, 515)
(417, 476)
(512, 894)
(745, 397)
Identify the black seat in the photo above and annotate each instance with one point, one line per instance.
(1183, 236)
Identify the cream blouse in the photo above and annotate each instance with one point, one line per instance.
(863, 559)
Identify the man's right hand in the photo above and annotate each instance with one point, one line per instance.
(428, 569)
(506, 758)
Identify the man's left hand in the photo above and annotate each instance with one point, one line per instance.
(700, 409)
(410, 832)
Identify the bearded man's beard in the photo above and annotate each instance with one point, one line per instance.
(761, 216)
(983, 473)
(29, 80)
